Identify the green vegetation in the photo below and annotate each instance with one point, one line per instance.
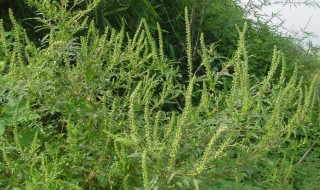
(92, 107)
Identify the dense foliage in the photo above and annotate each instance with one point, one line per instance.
(86, 108)
(215, 18)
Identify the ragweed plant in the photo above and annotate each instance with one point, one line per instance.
(106, 111)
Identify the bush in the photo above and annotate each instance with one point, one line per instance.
(106, 110)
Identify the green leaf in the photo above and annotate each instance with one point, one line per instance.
(115, 11)
(8, 33)
(196, 184)
(27, 136)
(15, 112)
(2, 129)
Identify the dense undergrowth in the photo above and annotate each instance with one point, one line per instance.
(109, 110)
(215, 18)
